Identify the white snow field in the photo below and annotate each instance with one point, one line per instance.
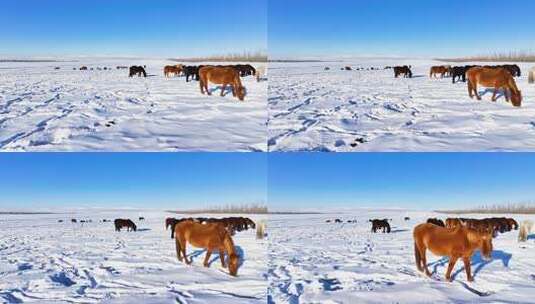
(43, 261)
(311, 261)
(43, 109)
(311, 109)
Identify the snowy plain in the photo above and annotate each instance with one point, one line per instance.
(311, 261)
(43, 109)
(313, 109)
(43, 261)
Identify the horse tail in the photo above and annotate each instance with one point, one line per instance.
(417, 257)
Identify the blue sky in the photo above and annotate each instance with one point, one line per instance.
(399, 28)
(139, 180)
(155, 28)
(308, 181)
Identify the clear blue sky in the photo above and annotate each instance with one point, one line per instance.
(144, 180)
(399, 27)
(412, 180)
(131, 27)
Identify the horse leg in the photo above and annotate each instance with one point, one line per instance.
(223, 88)
(470, 90)
(207, 257)
(453, 260)
(222, 257)
(495, 91)
(183, 245)
(178, 250)
(201, 85)
(423, 258)
(466, 261)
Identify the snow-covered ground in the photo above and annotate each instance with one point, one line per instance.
(43, 261)
(311, 261)
(311, 109)
(43, 109)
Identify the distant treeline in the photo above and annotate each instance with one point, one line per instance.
(497, 57)
(516, 208)
(233, 57)
(244, 209)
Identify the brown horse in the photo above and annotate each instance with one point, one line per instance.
(224, 76)
(175, 70)
(440, 70)
(460, 242)
(497, 78)
(210, 236)
(121, 223)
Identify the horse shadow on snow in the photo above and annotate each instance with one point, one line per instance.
(477, 262)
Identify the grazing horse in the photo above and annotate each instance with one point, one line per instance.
(526, 227)
(495, 78)
(83, 68)
(224, 76)
(73, 220)
(407, 218)
(459, 72)
(440, 70)
(175, 70)
(531, 76)
(402, 70)
(460, 242)
(436, 221)
(141, 218)
(337, 220)
(210, 236)
(139, 70)
(348, 68)
(121, 223)
(380, 224)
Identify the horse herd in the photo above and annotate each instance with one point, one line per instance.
(490, 76)
(212, 234)
(456, 238)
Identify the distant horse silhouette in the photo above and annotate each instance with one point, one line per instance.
(460, 242)
(224, 76)
(498, 78)
(402, 70)
(378, 224)
(137, 70)
(122, 223)
(210, 236)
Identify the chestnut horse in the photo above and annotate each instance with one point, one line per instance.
(440, 70)
(497, 78)
(460, 242)
(175, 70)
(210, 236)
(224, 76)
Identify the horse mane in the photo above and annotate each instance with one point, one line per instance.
(227, 241)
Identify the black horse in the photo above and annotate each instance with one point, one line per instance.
(191, 71)
(139, 70)
(403, 70)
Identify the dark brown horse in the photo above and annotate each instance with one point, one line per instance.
(210, 236)
(122, 223)
(137, 70)
(378, 224)
(436, 221)
(402, 70)
(457, 243)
